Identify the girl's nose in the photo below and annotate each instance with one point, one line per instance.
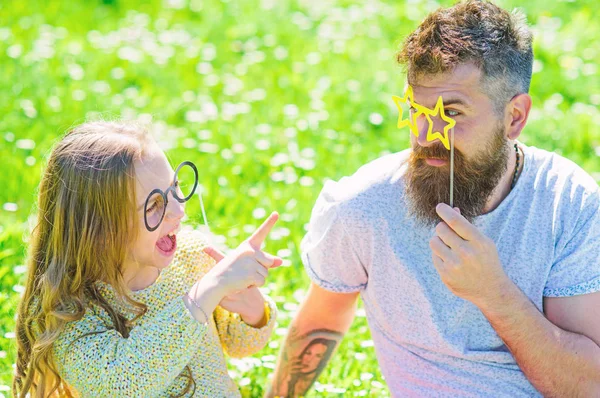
(175, 210)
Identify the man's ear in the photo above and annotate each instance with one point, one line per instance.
(517, 113)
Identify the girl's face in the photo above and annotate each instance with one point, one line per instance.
(153, 251)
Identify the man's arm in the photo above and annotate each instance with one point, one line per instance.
(560, 358)
(313, 337)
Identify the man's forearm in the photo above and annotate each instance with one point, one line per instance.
(302, 359)
(557, 362)
(315, 333)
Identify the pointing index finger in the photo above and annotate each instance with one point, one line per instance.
(259, 236)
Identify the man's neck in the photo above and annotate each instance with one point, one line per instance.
(504, 186)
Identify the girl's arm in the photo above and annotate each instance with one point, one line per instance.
(98, 361)
(240, 339)
(237, 337)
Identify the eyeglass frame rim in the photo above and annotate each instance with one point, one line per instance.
(165, 194)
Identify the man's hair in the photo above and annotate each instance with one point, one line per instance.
(496, 41)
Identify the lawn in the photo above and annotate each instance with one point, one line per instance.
(270, 99)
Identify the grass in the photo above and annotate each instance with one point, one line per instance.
(270, 99)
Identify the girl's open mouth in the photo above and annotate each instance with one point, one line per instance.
(167, 244)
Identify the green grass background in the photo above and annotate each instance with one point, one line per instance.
(269, 98)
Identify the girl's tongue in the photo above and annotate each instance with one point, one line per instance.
(166, 244)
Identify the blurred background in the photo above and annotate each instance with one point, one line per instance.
(270, 99)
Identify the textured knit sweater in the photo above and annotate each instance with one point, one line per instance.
(151, 361)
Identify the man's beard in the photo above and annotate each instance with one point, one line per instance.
(474, 180)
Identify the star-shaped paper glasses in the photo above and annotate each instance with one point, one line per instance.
(415, 112)
(419, 110)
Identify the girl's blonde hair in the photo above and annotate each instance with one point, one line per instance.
(84, 227)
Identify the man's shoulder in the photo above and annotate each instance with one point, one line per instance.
(369, 181)
(560, 175)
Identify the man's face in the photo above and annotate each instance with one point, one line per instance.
(481, 146)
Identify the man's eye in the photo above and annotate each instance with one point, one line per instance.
(452, 112)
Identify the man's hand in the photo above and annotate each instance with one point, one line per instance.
(556, 361)
(467, 260)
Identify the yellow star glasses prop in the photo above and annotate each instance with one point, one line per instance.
(418, 110)
(415, 112)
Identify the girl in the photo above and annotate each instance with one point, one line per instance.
(117, 303)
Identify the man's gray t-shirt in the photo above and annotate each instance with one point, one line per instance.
(429, 342)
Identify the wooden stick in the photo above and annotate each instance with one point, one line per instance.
(452, 167)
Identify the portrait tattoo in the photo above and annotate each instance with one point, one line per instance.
(304, 358)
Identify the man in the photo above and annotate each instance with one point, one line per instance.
(498, 297)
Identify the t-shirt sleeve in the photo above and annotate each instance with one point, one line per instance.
(330, 253)
(576, 269)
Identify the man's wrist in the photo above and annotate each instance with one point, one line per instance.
(498, 298)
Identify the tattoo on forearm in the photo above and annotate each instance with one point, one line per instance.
(303, 359)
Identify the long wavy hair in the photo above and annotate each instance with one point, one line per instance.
(82, 235)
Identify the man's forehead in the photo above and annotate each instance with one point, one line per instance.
(463, 83)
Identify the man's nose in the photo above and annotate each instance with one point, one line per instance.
(423, 125)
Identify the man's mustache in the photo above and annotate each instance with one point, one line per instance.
(436, 151)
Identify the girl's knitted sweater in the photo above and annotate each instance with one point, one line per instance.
(95, 360)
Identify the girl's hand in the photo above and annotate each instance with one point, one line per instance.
(249, 303)
(247, 266)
